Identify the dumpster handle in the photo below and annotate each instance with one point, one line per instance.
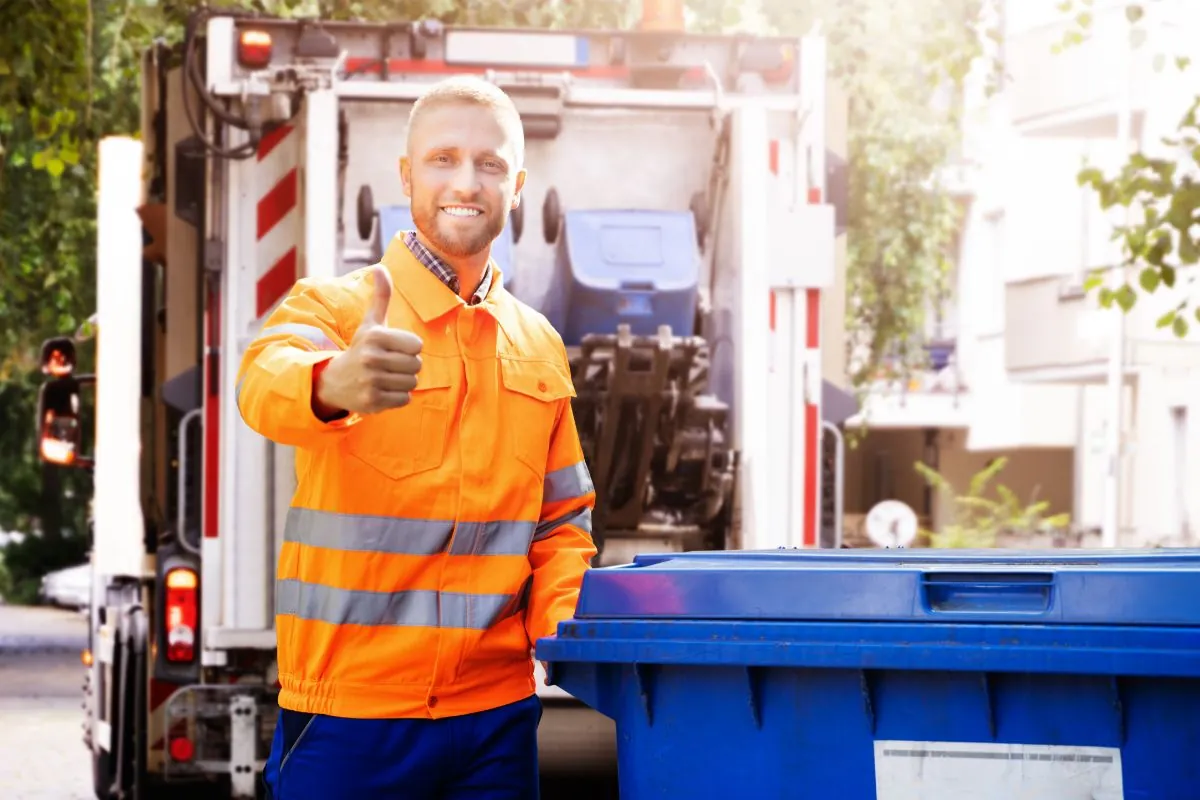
(987, 592)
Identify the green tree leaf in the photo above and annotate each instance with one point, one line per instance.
(1126, 297)
(978, 518)
(1149, 279)
(1165, 189)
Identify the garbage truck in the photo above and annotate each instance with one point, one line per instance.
(676, 228)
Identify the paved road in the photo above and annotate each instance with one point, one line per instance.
(41, 749)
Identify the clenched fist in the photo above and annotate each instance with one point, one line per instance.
(379, 368)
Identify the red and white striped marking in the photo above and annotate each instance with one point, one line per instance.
(812, 409)
(812, 357)
(277, 235)
(278, 222)
(210, 523)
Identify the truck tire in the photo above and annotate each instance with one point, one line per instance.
(551, 216)
(366, 212)
(102, 776)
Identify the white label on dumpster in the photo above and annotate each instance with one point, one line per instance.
(990, 771)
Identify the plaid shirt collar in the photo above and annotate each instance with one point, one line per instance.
(443, 271)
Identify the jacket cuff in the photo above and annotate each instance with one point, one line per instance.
(344, 418)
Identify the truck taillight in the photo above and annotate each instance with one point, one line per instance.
(182, 748)
(181, 608)
(254, 49)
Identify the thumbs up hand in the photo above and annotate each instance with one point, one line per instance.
(380, 367)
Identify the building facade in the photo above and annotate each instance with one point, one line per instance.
(1023, 359)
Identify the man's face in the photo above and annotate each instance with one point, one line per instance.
(461, 175)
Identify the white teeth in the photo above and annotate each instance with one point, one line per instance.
(455, 211)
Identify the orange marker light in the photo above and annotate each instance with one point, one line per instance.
(662, 15)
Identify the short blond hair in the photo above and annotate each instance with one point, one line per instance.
(473, 90)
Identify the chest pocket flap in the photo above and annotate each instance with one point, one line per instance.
(540, 380)
(530, 401)
(404, 441)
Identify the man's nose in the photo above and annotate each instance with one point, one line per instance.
(465, 181)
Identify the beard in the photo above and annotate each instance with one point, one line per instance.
(457, 238)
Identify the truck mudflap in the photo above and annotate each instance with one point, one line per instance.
(217, 730)
(656, 442)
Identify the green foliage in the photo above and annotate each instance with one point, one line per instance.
(903, 64)
(44, 69)
(59, 92)
(978, 520)
(1164, 240)
(1164, 192)
(7, 588)
(23, 564)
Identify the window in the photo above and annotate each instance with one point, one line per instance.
(991, 285)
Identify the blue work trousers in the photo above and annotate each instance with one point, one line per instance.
(491, 755)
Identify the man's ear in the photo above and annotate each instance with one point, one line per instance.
(520, 184)
(406, 176)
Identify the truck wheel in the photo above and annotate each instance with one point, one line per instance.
(551, 216)
(121, 771)
(366, 212)
(102, 776)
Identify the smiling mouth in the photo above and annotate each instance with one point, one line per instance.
(461, 212)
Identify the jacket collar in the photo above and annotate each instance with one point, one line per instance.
(430, 298)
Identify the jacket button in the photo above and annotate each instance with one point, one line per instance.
(433, 702)
(541, 386)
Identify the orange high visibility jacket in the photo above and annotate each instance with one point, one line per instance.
(427, 548)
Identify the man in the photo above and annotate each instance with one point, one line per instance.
(442, 520)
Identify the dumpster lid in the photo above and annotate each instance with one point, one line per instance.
(1101, 587)
(632, 249)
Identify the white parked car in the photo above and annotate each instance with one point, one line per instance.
(69, 588)
(11, 537)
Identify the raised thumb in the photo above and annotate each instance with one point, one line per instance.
(380, 298)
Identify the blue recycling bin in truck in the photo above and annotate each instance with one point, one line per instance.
(894, 675)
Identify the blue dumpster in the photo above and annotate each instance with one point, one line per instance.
(637, 267)
(894, 675)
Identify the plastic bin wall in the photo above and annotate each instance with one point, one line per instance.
(641, 268)
(894, 675)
